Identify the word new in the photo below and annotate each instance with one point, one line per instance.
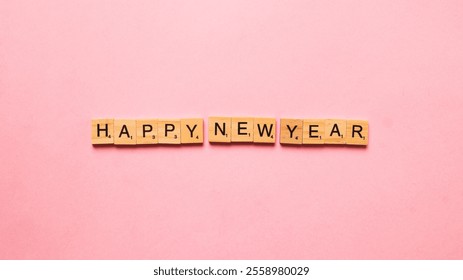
(229, 130)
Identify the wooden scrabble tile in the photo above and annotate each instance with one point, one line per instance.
(125, 132)
(335, 131)
(169, 131)
(313, 131)
(192, 131)
(219, 129)
(147, 132)
(291, 131)
(242, 130)
(264, 130)
(102, 131)
(356, 132)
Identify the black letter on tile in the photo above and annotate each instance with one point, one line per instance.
(358, 131)
(266, 129)
(191, 130)
(170, 129)
(241, 127)
(291, 130)
(313, 130)
(222, 129)
(335, 130)
(147, 128)
(125, 131)
(98, 129)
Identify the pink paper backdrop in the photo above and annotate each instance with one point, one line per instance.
(398, 64)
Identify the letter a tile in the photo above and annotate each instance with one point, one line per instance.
(335, 131)
(125, 132)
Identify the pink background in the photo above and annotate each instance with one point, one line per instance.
(398, 64)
